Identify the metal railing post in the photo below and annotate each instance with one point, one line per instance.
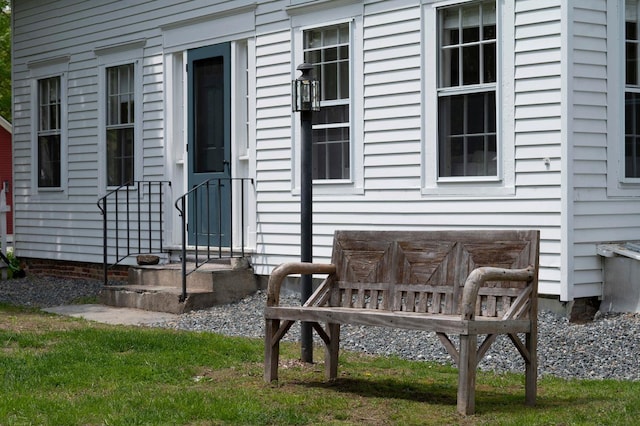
(183, 297)
(104, 242)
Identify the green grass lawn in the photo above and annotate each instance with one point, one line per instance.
(65, 371)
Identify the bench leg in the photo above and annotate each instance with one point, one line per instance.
(271, 350)
(331, 352)
(531, 368)
(467, 374)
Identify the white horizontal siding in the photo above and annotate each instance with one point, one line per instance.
(597, 218)
(392, 116)
(68, 225)
(538, 124)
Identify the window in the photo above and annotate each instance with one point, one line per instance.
(328, 49)
(632, 92)
(49, 131)
(466, 89)
(120, 124)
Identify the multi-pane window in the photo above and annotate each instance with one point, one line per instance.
(467, 144)
(632, 91)
(49, 132)
(328, 50)
(120, 124)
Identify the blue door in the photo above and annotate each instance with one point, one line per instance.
(209, 144)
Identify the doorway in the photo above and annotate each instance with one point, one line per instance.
(209, 144)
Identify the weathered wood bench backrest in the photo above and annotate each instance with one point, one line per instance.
(425, 272)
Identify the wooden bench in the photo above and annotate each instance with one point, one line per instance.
(467, 283)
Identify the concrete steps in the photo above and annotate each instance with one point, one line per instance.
(159, 287)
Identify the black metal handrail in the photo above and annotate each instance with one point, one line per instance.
(133, 220)
(203, 190)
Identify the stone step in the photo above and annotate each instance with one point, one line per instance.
(159, 287)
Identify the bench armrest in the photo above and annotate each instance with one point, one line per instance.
(479, 276)
(285, 269)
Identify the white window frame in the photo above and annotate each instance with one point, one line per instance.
(120, 123)
(53, 124)
(108, 57)
(503, 183)
(40, 70)
(334, 103)
(618, 185)
(318, 15)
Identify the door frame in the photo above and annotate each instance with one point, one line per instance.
(243, 137)
(216, 197)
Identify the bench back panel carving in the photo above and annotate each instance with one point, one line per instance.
(425, 271)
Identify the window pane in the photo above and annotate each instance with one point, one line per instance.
(123, 79)
(112, 81)
(336, 168)
(330, 54)
(489, 32)
(489, 53)
(209, 123)
(120, 95)
(632, 98)
(629, 122)
(343, 52)
(330, 36)
(475, 105)
(313, 38)
(319, 159)
(468, 44)
(450, 68)
(632, 135)
(49, 161)
(490, 105)
(332, 114)
(631, 30)
(475, 156)
(632, 157)
(343, 80)
(467, 137)
(470, 24)
(313, 56)
(632, 63)
(343, 34)
(112, 110)
(49, 104)
(120, 156)
(450, 37)
(456, 114)
(125, 112)
(471, 65)
(329, 82)
(492, 155)
(44, 118)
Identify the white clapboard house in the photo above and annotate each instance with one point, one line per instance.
(445, 114)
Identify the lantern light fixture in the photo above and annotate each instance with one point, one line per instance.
(305, 90)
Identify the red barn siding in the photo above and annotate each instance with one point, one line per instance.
(6, 171)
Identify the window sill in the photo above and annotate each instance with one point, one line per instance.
(624, 190)
(49, 190)
(469, 189)
(338, 187)
(128, 188)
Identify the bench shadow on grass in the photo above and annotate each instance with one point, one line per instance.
(489, 399)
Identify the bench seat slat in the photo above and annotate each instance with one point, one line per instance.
(409, 320)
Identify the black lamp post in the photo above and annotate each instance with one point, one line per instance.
(306, 99)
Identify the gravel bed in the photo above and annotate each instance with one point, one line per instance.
(607, 348)
(42, 292)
